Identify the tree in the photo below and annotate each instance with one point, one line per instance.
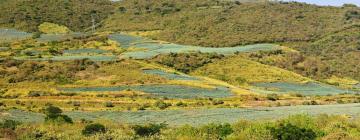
(288, 131)
(92, 129)
(54, 114)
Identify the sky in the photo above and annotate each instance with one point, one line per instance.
(329, 2)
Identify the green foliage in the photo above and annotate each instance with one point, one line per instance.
(54, 114)
(292, 132)
(148, 130)
(272, 97)
(9, 124)
(109, 104)
(226, 23)
(75, 14)
(161, 104)
(92, 129)
(187, 62)
(216, 131)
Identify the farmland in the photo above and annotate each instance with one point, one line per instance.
(167, 69)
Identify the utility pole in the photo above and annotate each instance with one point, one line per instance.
(93, 27)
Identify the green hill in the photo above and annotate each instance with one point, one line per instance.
(27, 15)
(226, 23)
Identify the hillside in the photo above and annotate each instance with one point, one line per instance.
(224, 24)
(27, 15)
(178, 70)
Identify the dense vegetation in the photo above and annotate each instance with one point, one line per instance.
(298, 127)
(186, 62)
(225, 23)
(76, 14)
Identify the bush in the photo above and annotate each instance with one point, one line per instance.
(76, 103)
(109, 104)
(53, 114)
(161, 104)
(217, 102)
(10, 124)
(148, 130)
(288, 131)
(217, 131)
(92, 129)
(181, 104)
(272, 97)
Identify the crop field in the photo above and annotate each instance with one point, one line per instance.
(85, 50)
(125, 40)
(196, 117)
(169, 91)
(149, 48)
(169, 76)
(7, 35)
(310, 88)
(58, 37)
(66, 58)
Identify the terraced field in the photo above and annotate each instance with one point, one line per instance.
(149, 48)
(73, 57)
(169, 91)
(196, 117)
(170, 76)
(310, 88)
(58, 37)
(8, 35)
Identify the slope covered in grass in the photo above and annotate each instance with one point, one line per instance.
(238, 71)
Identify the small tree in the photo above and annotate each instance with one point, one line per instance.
(291, 132)
(148, 130)
(92, 129)
(54, 114)
(161, 104)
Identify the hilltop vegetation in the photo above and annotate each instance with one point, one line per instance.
(225, 23)
(27, 15)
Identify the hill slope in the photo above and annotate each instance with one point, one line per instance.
(75, 14)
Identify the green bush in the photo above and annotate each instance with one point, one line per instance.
(288, 131)
(54, 114)
(148, 130)
(10, 124)
(217, 131)
(109, 104)
(161, 104)
(92, 129)
(272, 97)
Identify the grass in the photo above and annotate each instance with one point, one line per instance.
(239, 71)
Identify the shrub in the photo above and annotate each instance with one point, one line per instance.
(148, 130)
(10, 124)
(76, 103)
(217, 131)
(217, 102)
(92, 129)
(181, 104)
(288, 131)
(272, 97)
(53, 114)
(161, 104)
(109, 104)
